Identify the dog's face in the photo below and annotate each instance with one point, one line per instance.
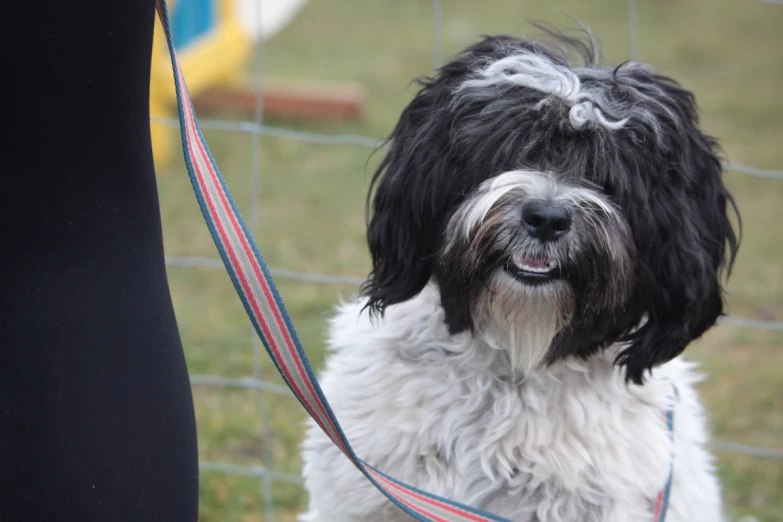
(582, 204)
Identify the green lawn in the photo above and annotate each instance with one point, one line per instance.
(312, 214)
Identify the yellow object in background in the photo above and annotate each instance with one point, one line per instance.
(213, 48)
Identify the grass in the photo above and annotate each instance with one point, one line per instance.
(312, 204)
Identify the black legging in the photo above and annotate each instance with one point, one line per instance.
(96, 414)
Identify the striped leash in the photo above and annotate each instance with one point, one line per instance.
(269, 317)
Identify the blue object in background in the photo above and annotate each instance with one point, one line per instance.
(192, 19)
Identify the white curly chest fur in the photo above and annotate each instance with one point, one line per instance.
(572, 442)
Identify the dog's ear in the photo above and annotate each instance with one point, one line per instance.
(409, 202)
(683, 234)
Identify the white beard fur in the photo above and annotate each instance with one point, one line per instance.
(569, 442)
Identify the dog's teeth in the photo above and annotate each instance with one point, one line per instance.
(540, 269)
(536, 266)
(531, 269)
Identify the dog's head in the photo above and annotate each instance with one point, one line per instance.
(582, 204)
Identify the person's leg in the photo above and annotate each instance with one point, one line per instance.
(96, 413)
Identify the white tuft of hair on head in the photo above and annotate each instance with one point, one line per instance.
(537, 72)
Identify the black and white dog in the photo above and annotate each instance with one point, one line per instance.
(546, 240)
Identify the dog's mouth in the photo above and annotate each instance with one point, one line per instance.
(531, 270)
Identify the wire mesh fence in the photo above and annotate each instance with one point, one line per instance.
(258, 381)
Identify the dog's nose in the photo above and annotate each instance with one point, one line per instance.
(545, 220)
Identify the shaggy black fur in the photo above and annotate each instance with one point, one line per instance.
(659, 170)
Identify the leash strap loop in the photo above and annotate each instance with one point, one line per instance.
(268, 314)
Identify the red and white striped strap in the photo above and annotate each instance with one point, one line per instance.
(267, 312)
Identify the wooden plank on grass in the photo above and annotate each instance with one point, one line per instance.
(322, 102)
